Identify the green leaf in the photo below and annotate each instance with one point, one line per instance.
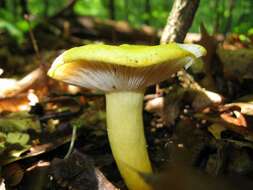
(17, 138)
(19, 122)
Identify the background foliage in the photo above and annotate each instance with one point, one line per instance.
(221, 16)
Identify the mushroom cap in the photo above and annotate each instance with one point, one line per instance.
(125, 67)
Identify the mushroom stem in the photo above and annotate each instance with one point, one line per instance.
(126, 136)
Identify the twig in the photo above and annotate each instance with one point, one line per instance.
(69, 6)
(72, 142)
(61, 115)
(34, 41)
(42, 64)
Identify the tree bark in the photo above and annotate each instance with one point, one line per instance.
(24, 7)
(2, 3)
(121, 30)
(217, 17)
(111, 9)
(179, 21)
(231, 7)
(126, 9)
(147, 11)
(178, 24)
(46, 8)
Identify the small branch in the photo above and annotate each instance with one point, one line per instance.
(34, 41)
(179, 21)
(61, 115)
(25, 83)
(69, 6)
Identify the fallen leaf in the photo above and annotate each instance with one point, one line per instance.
(77, 170)
(204, 98)
(236, 118)
(214, 118)
(245, 108)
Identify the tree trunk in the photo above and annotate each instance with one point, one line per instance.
(111, 9)
(147, 11)
(24, 7)
(14, 9)
(222, 4)
(231, 4)
(178, 24)
(179, 21)
(46, 7)
(2, 4)
(217, 17)
(126, 9)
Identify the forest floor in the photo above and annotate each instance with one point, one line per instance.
(207, 113)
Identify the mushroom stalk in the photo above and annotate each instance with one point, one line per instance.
(126, 136)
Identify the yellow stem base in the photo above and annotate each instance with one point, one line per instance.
(126, 136)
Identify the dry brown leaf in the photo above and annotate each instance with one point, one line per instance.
(173, 105)
(210, 43)
(199, 97)
(16, 87)
(236, 118)
(245, 108)
(14, 104)
(77, 170)
(233, 124)
(204, 98)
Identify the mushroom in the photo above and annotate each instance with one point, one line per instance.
(123, 72)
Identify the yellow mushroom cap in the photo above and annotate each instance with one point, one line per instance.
(125, 67)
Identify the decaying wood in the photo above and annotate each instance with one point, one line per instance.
(117, 30)
(76, 28)
(169, 107)
(89, 27)
(200, 97)
(24, 84)
(179, 21)
(78, 172)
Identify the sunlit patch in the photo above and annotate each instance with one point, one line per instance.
(23, 107)
(73, 89)
(1, 71)
(32, 97)
(40, 164)
(7, 86)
